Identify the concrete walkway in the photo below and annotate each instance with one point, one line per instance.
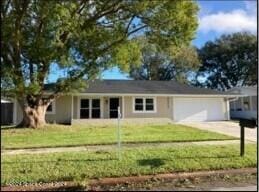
(113, 147)
(226, 127)
(247, 188)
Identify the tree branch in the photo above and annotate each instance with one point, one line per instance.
(127, 28)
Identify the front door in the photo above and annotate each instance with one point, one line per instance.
(114, 104)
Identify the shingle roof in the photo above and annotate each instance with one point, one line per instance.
(147, 87)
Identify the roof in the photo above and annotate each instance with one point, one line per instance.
(244, 90)
(147, 87)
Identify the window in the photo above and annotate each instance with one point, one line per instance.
(96, 108)
(139, 104)
(149, 104)
(51, 108)
(90, 108)
(84, 109)
(144, 105)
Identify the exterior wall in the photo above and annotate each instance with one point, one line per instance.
(19, 113)
(163, 105)
(106, 107)
(62, 114)
(226, 109)
(127, 121)
(75, 107)
(63, 110)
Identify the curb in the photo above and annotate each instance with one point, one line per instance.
(180, 175)
(121, 180)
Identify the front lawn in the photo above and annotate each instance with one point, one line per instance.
(80, 166)
(58, 135)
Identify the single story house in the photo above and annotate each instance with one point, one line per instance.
(246, 105)
(138, 99)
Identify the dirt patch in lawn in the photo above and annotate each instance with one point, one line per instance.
(207, 183)
(176, 181)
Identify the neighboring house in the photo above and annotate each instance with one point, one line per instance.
(246, 105)
(138, 99)
(6, 112)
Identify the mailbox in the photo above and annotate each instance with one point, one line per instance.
(249, 123)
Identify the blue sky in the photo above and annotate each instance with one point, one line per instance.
(215, 18)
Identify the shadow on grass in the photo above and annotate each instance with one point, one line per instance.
(157, 162)
(153, 163)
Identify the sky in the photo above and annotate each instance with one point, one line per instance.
(215, 18)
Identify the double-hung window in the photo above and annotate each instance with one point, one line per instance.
(139, 104)
(149, 105)
(96, 110)
(90, 108)
(84, 109)
(142, 104)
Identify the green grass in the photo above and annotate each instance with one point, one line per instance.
(81, 166)
(58, 135)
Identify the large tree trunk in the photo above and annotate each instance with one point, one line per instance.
(33, 117)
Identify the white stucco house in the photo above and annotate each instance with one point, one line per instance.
(137, 99)
(246, 105)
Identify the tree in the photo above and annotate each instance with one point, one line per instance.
(83, 38)
(159, 65)
(229, 61)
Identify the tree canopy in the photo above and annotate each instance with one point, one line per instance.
(83, 38)
(229, 61)
(159, 65)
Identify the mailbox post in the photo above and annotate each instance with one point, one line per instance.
(119, 135)
(249, 123)
(242, 140)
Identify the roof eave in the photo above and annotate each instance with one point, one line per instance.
(148, 94)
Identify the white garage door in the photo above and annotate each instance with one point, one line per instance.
(198, 109)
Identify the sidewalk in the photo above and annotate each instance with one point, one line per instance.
(224, 127)
(114, 146)
(247, 188)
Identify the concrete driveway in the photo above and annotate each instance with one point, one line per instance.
(226, 127)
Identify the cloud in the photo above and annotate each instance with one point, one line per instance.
(227, 22)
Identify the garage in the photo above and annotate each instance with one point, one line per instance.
(199, 109)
